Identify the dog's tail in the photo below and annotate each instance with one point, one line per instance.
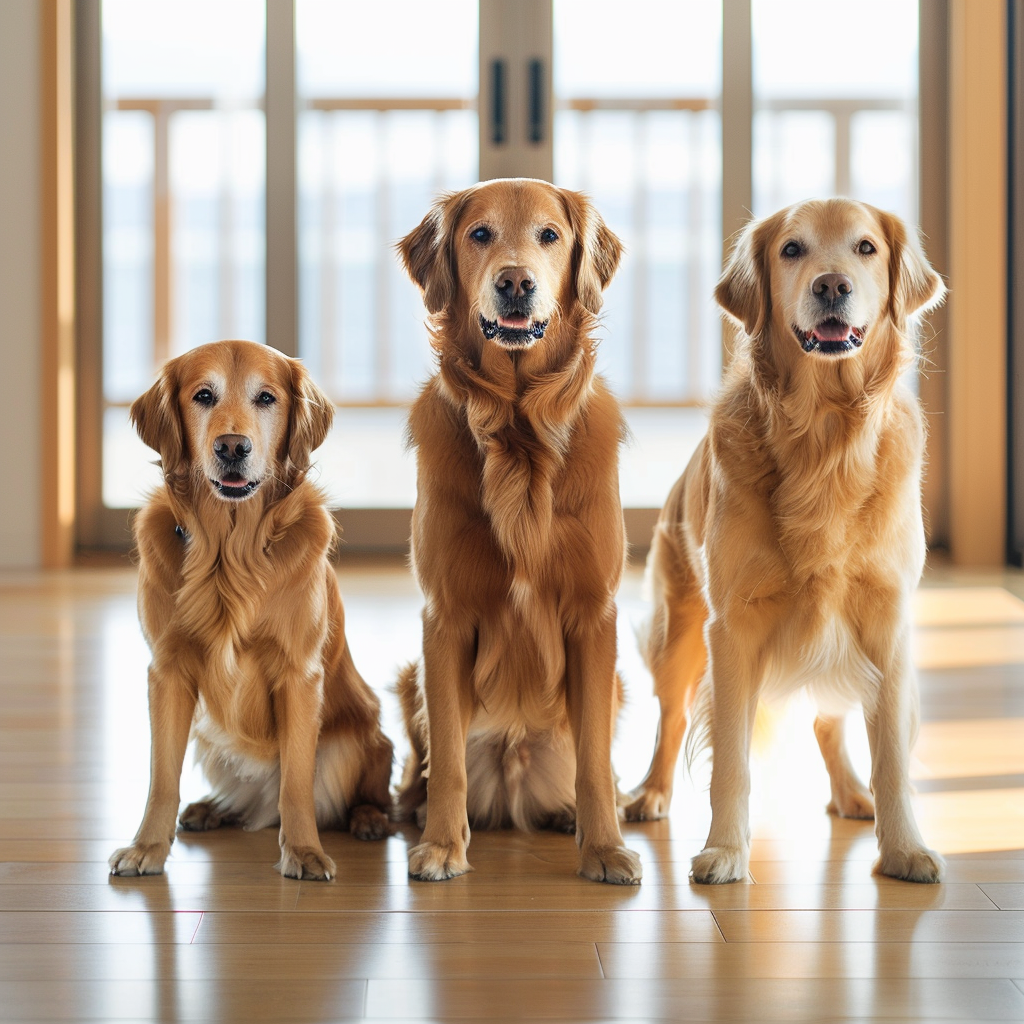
(698, 735)
(412, 790)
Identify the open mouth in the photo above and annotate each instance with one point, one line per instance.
(234, 486)
(514, 331)
(831, 337)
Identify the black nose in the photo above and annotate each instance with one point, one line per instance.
(832, 287)
(232, 447)
(515, 282)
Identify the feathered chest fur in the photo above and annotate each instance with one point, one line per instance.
(523, 430)
(833, 468)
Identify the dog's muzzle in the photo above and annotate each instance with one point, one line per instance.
(834, 334)
(513, 332)
(515, 294)
(232, 452)
(831, 337)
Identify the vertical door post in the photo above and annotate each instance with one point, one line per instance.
(516, 89)
(282, 276)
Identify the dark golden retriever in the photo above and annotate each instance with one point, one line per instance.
(517, 531)
(788, 551)
(241, 609)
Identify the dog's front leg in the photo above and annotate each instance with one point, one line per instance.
(448, 689)
(891, 726)
(726, 855)
(172, 703)
(590, 675)
(297, 711)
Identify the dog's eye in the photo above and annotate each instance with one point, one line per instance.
(204, 396)
(548, 235)
(866, 248)
(791, 250)
(265, 398)
(480, 234)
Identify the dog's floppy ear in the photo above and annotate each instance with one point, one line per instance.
(597, 250)
(428, 252)
(310, 419)
(913, 286)
(156, 417)
(744, 289)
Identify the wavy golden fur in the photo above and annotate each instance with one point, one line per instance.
(787, 553)
(517, 539)
(240, 607)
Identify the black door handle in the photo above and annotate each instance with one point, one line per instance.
(499, 126)
(535, 71)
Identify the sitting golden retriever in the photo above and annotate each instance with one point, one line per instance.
(793, 542)
(240, 607)
(517, 537)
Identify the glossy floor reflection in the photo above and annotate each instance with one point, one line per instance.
(812, 935)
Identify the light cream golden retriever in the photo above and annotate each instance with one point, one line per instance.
(517, 538)
(240, 607)
(788, 551)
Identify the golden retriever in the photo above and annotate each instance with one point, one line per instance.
(788, 551)
(240, 607)
(517, 538)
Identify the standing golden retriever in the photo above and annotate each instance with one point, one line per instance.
(241, 609)
(793, 542)
(517, 535)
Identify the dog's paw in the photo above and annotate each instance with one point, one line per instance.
(367, 822)
(913, 865)
(432, 862)
(306, 862)
(614, 864)
(647, 805)
(201, 816)
(852, 803)
(718, 864)
(139, 859)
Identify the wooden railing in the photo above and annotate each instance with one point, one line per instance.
(697, 332)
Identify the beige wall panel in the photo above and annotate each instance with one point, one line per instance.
(977, 270)
(20, 300)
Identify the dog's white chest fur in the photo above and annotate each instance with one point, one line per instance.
(827, 660)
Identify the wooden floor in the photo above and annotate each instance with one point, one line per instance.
(812, 935)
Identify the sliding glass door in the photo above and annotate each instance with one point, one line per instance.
(389, 104)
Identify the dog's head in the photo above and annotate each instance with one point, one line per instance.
(231, 416)
(822, 274)
(508, 257)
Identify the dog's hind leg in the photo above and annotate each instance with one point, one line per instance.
(675, 652)
(850, 797)
(233, 800)
(207, 814)
(368, 818)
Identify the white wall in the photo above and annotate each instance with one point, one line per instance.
(20, 272)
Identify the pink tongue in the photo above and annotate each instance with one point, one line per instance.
(832, 330)
(517, 322)
(236, 482)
